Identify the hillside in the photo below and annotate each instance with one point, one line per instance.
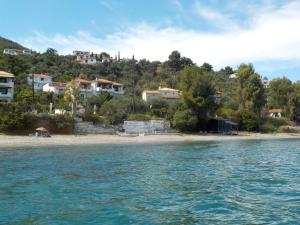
(5, 43)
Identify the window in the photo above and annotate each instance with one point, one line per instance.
(3, 80)
(3, 91)
(42, 79)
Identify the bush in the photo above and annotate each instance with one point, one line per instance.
(249, 121)
(114, 112)
(269, 125)
(268, 128)
(185, 120)
(288, 129)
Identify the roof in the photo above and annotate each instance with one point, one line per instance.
(57, 84)
(103, 81)
(151, 91)
(39, 75)
(82, 81)
(6, 74)
(117, 84)
(275, 111)
(167, 89)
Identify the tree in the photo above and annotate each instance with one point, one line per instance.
(99, 100)
(185, 120)
(278, 92)
(115, 110)
(293, 105)
(197, 99)
(248, 120)
(72, 92)
(207, 67)
(250, 90)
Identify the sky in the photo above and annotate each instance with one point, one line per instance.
(223, 33)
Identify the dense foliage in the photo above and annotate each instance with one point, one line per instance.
(205, 93)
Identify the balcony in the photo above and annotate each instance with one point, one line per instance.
(7, 95)
(110, 90)
(6, 84)
(86, 89)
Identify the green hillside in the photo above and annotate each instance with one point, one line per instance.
(5, 43)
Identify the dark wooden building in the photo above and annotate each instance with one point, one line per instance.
(221, 126)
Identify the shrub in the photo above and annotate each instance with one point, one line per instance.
(288, 129)
(185, 120)
(248, 120)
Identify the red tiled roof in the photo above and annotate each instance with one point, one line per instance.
(151, 91)
(82, 81)
(275, 111)
(58, 84)
(104, 81)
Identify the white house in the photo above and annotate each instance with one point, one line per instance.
(168, 93)
(9, 51)
(100, 85)
(55, 87)
(265, 82)
(150, 94)
(85, 57)
(275, 113)
(164, 93)
(6, 87)
(39, 80)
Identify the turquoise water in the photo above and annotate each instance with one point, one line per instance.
(231, 182)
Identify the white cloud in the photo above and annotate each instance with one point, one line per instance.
(272, 36)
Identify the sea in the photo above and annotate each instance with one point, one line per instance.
(219, 182)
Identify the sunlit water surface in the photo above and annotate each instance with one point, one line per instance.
(230, 182)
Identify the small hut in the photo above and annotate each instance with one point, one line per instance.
(42, 132)
(222, 126)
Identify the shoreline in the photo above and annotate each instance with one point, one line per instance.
(69, 140)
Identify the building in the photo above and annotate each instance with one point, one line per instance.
(85, 57)
(148, 95)
(6, 87)
(55, 87)
(265, 81)
(146, 127)
(86, 89)
(221, 126)
(168, 93)
(9, 51)
(164, 93)
(100, 85)
(275, 113)
(39, 80)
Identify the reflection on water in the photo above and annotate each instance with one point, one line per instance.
(230, 182)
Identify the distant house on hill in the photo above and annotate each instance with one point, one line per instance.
(38, 80)
(6, 87)
(9, 51)
(85, 57)
(164, 93)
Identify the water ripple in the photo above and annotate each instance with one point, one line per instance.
(232, 182)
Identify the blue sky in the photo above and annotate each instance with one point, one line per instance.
(220, 32)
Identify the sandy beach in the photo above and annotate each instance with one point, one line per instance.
(56, 140)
